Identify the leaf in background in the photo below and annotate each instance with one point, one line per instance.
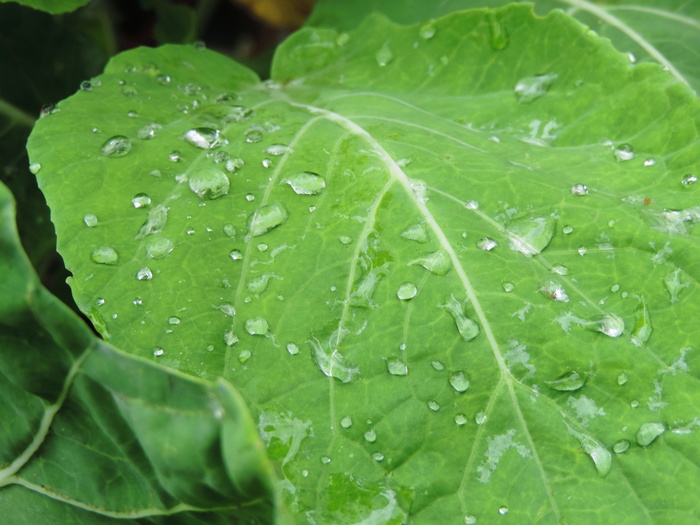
(89, 433)
(54, 7)
(452, 267)
(288, 14)
(662, 31)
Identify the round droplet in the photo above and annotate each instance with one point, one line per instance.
(649, 432)
(566, 230)
(158, 247)
(371, 435)
(104, 255)
(624, 152)
(140, 200)
(292, 348)
(266, 163)
(204, 138)
(230, 338)
(244, 356)
(144, 274)
(459, 381)
(254, 135)
(480, 417)
(34, 167)
(209, 183)
(158, 352)
(86, 85)
(508, 287)
(325, 460)
(149, 131)
(234, 164)
(306, 183)
(579, 190)
(407, 291)
(90, 220)
(173, 320)
(687, 179)
(384, 55)
(582, 250)
(396, 367)
(346, 422)
(116, 146)
(622, 379)
(461, 419)
(433, 406)
(377, 456)
(621, 446)
(615, 288)
(257, 326)
(503, 510)
(236, 255)
(267, 218)
(486, 244)
(427, 30)
(174, 156)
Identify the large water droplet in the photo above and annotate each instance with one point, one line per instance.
(407, 291)
(140, 200)
(306, 183)
(567, 382)
(330, 361)
(116, 146)
(624, 152)
(104, 255)
(459, 381)
(204, 138)
(437, 262)
(467, 328)
(649, 432)
(158, 247)
(384, 55)
(529, 89)
(257, 326)
(209, 183)
(601, 456)
(531, 235)
(396, 367)
(266, 218)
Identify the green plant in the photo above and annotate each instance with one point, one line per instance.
(443, 272)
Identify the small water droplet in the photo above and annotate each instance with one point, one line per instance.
(230, 338)
(204, 138)
(624, 152)
(434, 406)
(649, 432)
(104, 255)
(35, 167)
(140, 200)
(90, 220)
(116, 146)
(378, 456)
(346, 422)
(244, 356)
(325, 460)
(149, 131)
(384, 55)
(342, 39)
(292, 348)
(407, 291)
(209, 183)
(234, 164)
(480, 417)
(163, 79)
(267, 218)
(416, 232)
(371, 435)
(529, 89)
(236, 255)
(582, 250)
(396, 367)
(277, 149)
(345, 239)
(174, 156)
(254, 135)
(621, 446)
(306, 183)
(427, 30)
(250, 197)
(555, 292)
(437, 365)
(173, 320)
(470, 520)
(158, 247)
(257, 326)
(568, 382)
(461, 419)
(137, 302)
(266, 163)
(622, 379)
(230, 230)
(634, 403)
(560, 269)
(487, 244)
(566, 230)
(687, 179)
(579, 190)
(158, 352)
(503, 510)
(459, 381)
(508, 287)
(144, 274)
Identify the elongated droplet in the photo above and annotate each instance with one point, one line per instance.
(601, 456)
(610, 325)
(467, 328)
(641, 332)
(416, 232)
(529, 89)
(487, 244)
(499, 35)
(277, 149)
(579, 190)
(621, 446)
(116, 146)
(437, 262)
(267, 218)
(384, 55)
(396, 367)
(531, 235)
(649, 432)
(209, 183)
(567, 382)
(306, 183)
(332, 363)
(204, 138)
(105, 255)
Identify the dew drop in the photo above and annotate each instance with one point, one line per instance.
(34, 167)
(173, 320)
(292, 348)
(407, 291)
(230, 338)
(157, 352)
(116, 146)
(642, 329)
(396, 367)
(437, 365)
(209, 183)
(529, 89)
(567, 382)
(266, 163)
(137, 302)
(236, 255)
(461, 419)
(230, 230)
(480, 417)
(174, 156)
(384, 55)
(649, 432)
(346, 422)
(158, 247)
(487, 244)
(371, 435)
(555, 292)
(90, 220)
(234, 164)
(254, 135)
(306, 183)
(434, 406)
(163, 79)
(416, 232)
(104, 255)
(257, 326)
(267, 218)
(427, 30)
(331, 362)
(140, 200)
(459, 381)
(621, 446)
(566, 230)
(687, 179)
(144, 274)
(579, 190)
(204, 138)
(624, 152)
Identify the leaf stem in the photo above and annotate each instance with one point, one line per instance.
(16, 115)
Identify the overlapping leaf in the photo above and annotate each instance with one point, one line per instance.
(451, 266)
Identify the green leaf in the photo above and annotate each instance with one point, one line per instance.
(54, 7)
(89, 433)
(666, 32)
(395, 249)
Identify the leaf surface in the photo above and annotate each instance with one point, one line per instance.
(452, 280)
(89, 433)
(54, 7)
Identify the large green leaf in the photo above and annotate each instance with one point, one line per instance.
(89, 433)
(451, 266)
(662, 31)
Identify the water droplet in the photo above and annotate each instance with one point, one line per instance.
(144, 274)
(560, 269)
(641, 332)
(601, 456)
(508, 287)
(345, 239)
(470, 520)
(163, 79)
(258, 284)
(140, 200)
(434, 406)
(579, 190)
(174, 156)
(346, 422)
(230, 230)
(427, 30)
(155, 222)
(396, 367)
(266, 163)
(378, 456)
(158, 247)
(634, 403)
(567, 382)
(230, 338)
(622, 379)
(209, 183)
(132, 114)
(371, 435)
(116, 146)
(503, 510)
(566, 230)
(649, 432)
(467, 328)
(278, 149)
(306, 183)
(137, 302)
(104, 255)
(687, 179)
(149, 131)
(407, 291)
(292, 348)
(621, 446)
(47, 109)
(204, 138)
(416, 232)
(257, 326)
(437, 365)
(250, 197)
(254, 135)
(531, 235)
(236, 255)
(529, 89)
(266, 218)
(480, 417)
(499, 35)
(173, 320)
(384, 55)
(158, 352)
(330, 361)
(610, 325)
(487, 244)
(34, 167)
(437, 262)
(90, 220)
(459, 381)
(244, 356)
(624, 152)
(673, 284)
(342, 39)
(555, 292)
(461, 419)
(582, 250)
